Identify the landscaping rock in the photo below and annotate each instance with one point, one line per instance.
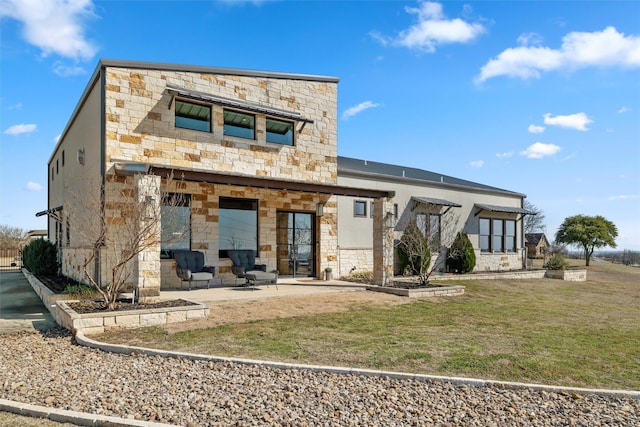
(50, 369)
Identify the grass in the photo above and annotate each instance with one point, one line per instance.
(547, 331)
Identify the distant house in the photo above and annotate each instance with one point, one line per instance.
(37, 234)
(537, 245)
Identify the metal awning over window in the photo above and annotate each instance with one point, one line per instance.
(435, 202)
(235, 103)
(49, 211)
(504, 209)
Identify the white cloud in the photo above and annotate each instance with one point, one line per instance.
(16, 106)
(529, 39)
(536, 129)
(625, 197)
(21, 128)
(540, 150)
(67, 71)
(33, 186)
(578, 121)
(54, 26)
(477, 163)
(624, 109)
(504, 155)
(432, 29)
(352, 111)
(607, 48)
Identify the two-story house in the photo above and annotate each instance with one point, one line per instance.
(255, 154)
(253, 157)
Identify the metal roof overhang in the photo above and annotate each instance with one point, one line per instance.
(435, 202)
(504, 209)
(250, 181)
(234, 103)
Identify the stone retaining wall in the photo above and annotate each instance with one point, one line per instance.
(95, 323)
(420, 292)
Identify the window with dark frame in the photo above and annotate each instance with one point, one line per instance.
(237, 123)
(279, 131)
(190, 115)
(429, 224)
(175, 213)
(497, 235)
(359, 208)
(237, 225)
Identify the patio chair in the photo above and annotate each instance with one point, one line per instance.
(245, 267)
(190, 267)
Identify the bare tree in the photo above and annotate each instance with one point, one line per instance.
(116, 225)
(425, 242)
(533, 223)
(11, 237)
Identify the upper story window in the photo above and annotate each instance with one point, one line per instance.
(239, 124)
(279, 131)
(497, 235)
(193, 116)
(359, 208)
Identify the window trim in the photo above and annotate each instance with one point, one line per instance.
(200, 104)
(185, 201)
(237, 111)
(504, 237)
(355, 209)
(222, 253)
(289, 122)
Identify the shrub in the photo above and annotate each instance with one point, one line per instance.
(462, 258)
(556, 262)
(40, 257)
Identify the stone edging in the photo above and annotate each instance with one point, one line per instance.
(123, 349)
(96, 323)
(73, 417)
(436, 291)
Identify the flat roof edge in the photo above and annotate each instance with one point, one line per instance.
(215, 70)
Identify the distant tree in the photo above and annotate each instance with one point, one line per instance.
(11, 237)
(533, 223)
(587, 232)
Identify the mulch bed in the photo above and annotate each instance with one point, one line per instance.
(84, 307)
(58, 284)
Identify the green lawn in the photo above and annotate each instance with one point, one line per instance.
(543, 331)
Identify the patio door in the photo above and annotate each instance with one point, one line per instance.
(296, 243)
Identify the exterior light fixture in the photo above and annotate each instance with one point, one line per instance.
(319, 209)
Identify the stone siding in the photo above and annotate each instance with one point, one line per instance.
(140, 125)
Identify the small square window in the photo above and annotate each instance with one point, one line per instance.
(359, 208)
(239, 124)
(279, 132)
(193, 116)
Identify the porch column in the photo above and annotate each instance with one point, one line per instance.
(383, 223)
(146, 266)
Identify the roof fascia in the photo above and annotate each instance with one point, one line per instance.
(395, 179)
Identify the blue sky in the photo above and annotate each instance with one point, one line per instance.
(539, 97)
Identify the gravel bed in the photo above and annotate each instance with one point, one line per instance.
(50, 369)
